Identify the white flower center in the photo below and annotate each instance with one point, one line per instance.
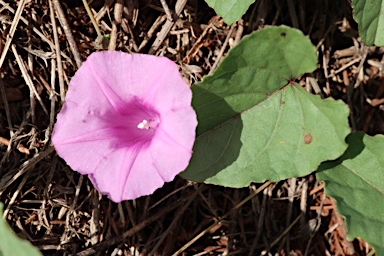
(147, 124)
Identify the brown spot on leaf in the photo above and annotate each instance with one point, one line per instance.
(282, 102)
(307, 138)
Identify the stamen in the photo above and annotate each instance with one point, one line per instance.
(148, 124)
(144, 125)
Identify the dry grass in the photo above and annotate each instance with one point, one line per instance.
(59, 211)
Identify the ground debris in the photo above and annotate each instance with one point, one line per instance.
(59, 211)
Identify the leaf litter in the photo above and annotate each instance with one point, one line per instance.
(42, 44)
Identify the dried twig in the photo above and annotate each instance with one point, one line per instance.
(34, 29)
(58, 56)
(193, 240)
(68, 32)
(100, 37)
(28, 81)
(151, 31)
(21, 148)
(260, 222)
(166, 9)
(118, 13)
(180, 4)
(175, 220)
(317, 224)
(12, 30)
(218, 58)
(239, 32)
(15, 194)
(195, 48)
(118, 239)
(9, 178)
(6, 105)
(283, 233)
(291, 196)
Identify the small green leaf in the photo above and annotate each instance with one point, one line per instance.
(255, 124)
(356, 182)
(230, 10)
(10, 244)
(369, 16)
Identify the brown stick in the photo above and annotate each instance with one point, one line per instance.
(180, 4)
(12, 31)
(118, 13)
(21, 148)
(68, 32)
(58, 53)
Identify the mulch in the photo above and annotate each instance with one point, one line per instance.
(60, 212)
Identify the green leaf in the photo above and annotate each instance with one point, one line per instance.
(356, 182)
(255, 124)
(369, 15)
(287, 135)
(230, 10)
(259, 65)
(10, 244)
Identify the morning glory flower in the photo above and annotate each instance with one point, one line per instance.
(127, 123)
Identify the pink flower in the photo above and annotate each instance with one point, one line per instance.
(127, 123)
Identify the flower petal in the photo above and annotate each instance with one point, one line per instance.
(125, 115)
(90, 136)
(173, 127)
(127, 174)
(160, 83)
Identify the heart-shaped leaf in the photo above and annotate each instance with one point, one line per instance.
(259, 65)
(356, 181)
(255, 124)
